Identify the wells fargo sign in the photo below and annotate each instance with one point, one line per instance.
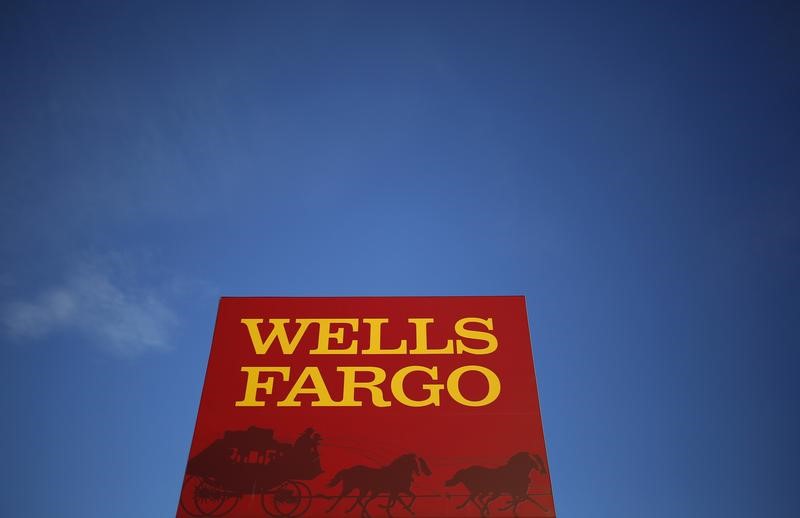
(369, 406)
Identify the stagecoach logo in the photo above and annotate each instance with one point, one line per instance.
(367, 407)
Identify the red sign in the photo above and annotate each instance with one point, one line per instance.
(369, 406)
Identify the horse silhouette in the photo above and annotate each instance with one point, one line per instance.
(487, 484)
(392, 480)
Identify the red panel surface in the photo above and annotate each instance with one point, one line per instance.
(450, 459)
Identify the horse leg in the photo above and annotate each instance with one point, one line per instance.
(345, 491)
(516, 503)
(410, 503)
(364, 505)
(540, 506)
(391, 499)
(357, 500)
(478, 501)
(406, 506)
(486, 501)
(512, 504)
(470, 498)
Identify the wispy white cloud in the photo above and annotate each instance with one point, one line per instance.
(124, 318)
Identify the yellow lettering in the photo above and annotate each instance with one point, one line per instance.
(433, 388)
(326, 335)
(421, 347)
(350, 385)
(375, 325)
(455, 391)
(254, 385)
(489, 338)
(318, 389)
(278, 331)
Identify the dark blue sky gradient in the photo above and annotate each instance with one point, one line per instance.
(631, 169)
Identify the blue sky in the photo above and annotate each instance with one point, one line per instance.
(631, 170)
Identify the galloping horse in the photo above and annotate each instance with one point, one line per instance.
(487, 484)
(392, 480)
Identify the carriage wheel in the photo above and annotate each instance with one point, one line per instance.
(200, 497)
(290, 500)
(305, 497)
(229, 502)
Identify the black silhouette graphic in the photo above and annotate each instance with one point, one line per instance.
(252, 462)
(487, 484)
(258, 440)
(308, 442)
(393, 481)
